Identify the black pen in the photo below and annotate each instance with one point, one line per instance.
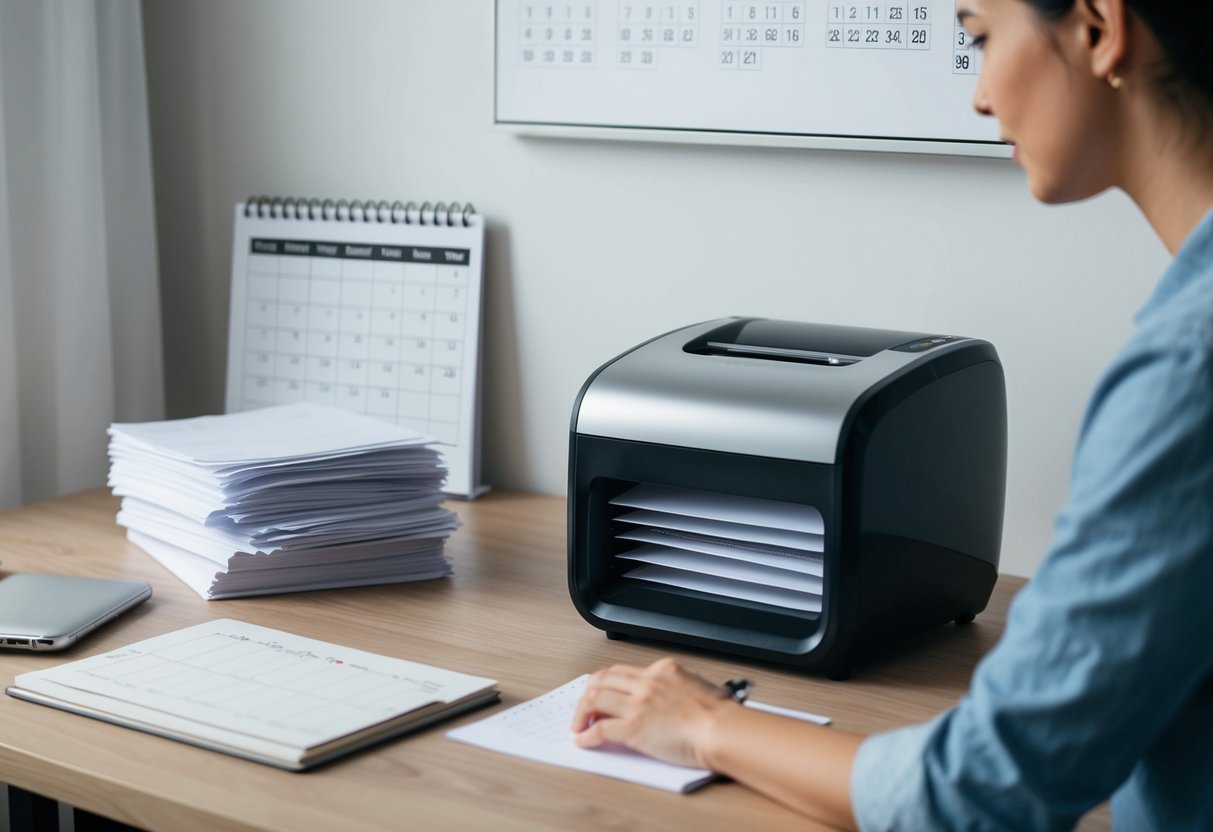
(738, 689)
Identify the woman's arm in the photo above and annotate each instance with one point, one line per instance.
(666, 712)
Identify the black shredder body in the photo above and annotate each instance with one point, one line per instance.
(787, 492)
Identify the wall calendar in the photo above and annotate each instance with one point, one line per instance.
(883, 74)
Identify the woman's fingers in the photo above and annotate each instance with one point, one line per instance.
(604, 694)
(599, 703)
(601, 731)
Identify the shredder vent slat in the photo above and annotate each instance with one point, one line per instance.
(742, 548)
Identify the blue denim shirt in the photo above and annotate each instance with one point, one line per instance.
(1101, 685)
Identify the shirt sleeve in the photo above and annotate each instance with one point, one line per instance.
(1105, 645)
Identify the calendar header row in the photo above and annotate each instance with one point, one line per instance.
(353, 251)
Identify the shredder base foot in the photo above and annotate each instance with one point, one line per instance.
(967, 618)
(839, 674)
(614, 636)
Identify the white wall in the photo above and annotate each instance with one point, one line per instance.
(594, 246)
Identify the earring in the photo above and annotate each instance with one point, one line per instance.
(1114, 80)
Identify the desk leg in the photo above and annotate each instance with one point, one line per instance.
(88, 822)
(22, 811)
(29, 812)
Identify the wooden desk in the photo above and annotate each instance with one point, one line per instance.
(505, 614)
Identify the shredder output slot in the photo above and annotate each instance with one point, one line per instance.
(737, 548)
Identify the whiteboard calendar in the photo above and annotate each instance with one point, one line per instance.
(372, 308)
(883, 74)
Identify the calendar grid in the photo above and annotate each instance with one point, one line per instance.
(560, 35)
(337, 337)
(748, 29)
(884, 24)
(647, 28)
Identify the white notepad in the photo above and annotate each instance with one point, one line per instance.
(539, 730)
(257, 693)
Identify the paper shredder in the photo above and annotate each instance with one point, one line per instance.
(788, 492)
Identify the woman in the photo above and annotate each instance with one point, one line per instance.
(1103, 682)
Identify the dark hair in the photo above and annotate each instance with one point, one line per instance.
(1184, 30)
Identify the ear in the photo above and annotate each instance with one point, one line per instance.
(1104, 35)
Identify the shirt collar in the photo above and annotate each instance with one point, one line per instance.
(1190, 263)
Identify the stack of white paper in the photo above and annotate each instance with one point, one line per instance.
(282, 499)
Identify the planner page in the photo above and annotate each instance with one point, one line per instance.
(226, 680)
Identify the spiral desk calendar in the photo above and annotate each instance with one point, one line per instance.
(367, 306)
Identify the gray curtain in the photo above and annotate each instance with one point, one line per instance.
(80, 342)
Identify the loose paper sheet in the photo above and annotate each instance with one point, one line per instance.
(771, 536)
(798, 561)
(727, 588)
(257, 436)
(539, 730)
(724, 507)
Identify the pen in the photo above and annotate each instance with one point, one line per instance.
(738, 689)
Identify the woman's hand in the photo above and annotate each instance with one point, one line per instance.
(666, 712)
(661, 710)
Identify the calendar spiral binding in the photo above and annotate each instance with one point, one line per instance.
(406, 213)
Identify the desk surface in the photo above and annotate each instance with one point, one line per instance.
(506, 614)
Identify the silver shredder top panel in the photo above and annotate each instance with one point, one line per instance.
(660, 393)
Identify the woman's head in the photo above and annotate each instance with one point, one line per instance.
(1073, 83)
(1184, 31)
